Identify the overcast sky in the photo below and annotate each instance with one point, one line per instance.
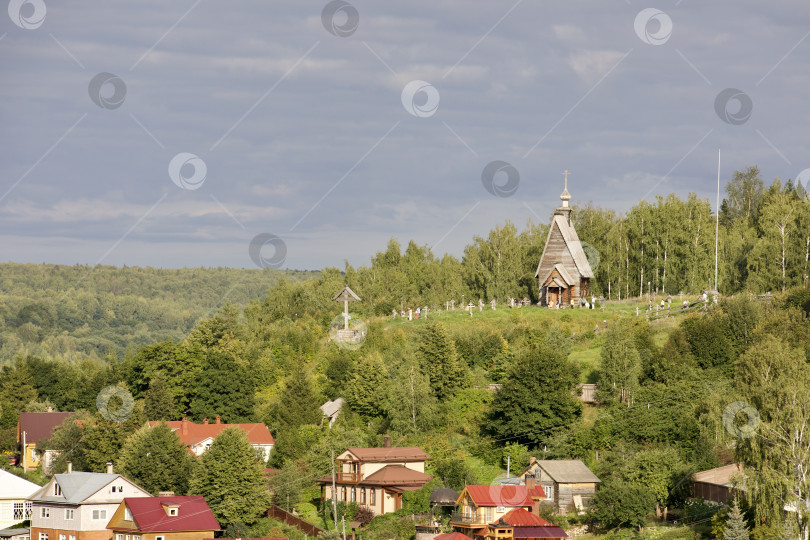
(330, 127)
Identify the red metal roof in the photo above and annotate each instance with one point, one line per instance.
(39, 426)
(499, 495)
(191, 433)
(150, 514)
(521, 517)
(539, 532)
(452, 536)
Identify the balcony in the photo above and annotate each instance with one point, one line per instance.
(468, 520)
(348, 477)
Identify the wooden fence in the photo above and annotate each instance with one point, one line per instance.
(276, 512)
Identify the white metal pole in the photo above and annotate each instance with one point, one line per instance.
(717, 221)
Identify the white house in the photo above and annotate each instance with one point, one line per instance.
(14, 492)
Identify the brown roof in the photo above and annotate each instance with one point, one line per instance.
(396, 475)
(401, 453)
(39, 426)
(721, 476)
(566, 471)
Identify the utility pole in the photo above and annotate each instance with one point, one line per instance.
(334, 490)
(717, 221)
(343, 520)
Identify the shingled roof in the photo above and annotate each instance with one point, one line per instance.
(398, 453)
(571, 239)
(567, 471)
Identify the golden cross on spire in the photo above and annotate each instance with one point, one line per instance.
(566, 172)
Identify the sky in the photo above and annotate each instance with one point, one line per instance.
(301, 134)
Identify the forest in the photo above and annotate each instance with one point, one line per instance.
(666, 383)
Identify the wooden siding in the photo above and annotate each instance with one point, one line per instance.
(556, 252)
(564, 495)
(709, 492)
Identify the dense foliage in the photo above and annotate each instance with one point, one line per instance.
(476, 392)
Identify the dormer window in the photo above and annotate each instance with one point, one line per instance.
(118, 489)
(57, 490)
(127, 514)
(172, 510)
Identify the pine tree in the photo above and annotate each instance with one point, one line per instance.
(156, 459)
(231, 478)
(159, 400)
(735, 528)
(439, 360)
(365, 391)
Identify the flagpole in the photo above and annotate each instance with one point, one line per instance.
(717, 221)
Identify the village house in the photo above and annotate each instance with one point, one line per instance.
(163, 518)
(14, 504)
(376, 477)
(568, 484)
(199, 437)
(564, 274)
(78, 505)
(479, 506)
(34, 428)
(716, 484)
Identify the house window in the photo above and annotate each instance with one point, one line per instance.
(45, 512)
(354, 494)
(159, 538)
(127, 513)
(136, 537)
(549, 492)
(119, 537)
(99, 514)
(119, 489)
(342, 494)
(68, 513)
(62, 537)
(172, 511)
(22, 511)
(362, 495)
(372, 496)
(489, 513)
(43, 536)
(72, 537)
(57, 490)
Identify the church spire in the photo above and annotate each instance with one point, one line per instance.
(565, 196)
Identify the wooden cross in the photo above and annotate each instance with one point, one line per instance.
(566, 172)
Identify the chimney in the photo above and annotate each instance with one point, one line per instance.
(529, 480)
(69, 467)
(50, 409)
(205, 421)
(165, 493)
(387, 443)
(184, 424)
(532, 460)
(109, 467)
(219, 420)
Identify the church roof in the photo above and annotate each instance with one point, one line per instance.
(572, 243)
(563, 273)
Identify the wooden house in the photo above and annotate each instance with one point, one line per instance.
(716, 484)
(14, 504)
(199, 437)
(485, 511)
(163, 518)
(567, 483)
(564, 274)
(376, 477)
(78, 505)
(34, 428)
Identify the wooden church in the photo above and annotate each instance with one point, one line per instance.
(563, 274)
